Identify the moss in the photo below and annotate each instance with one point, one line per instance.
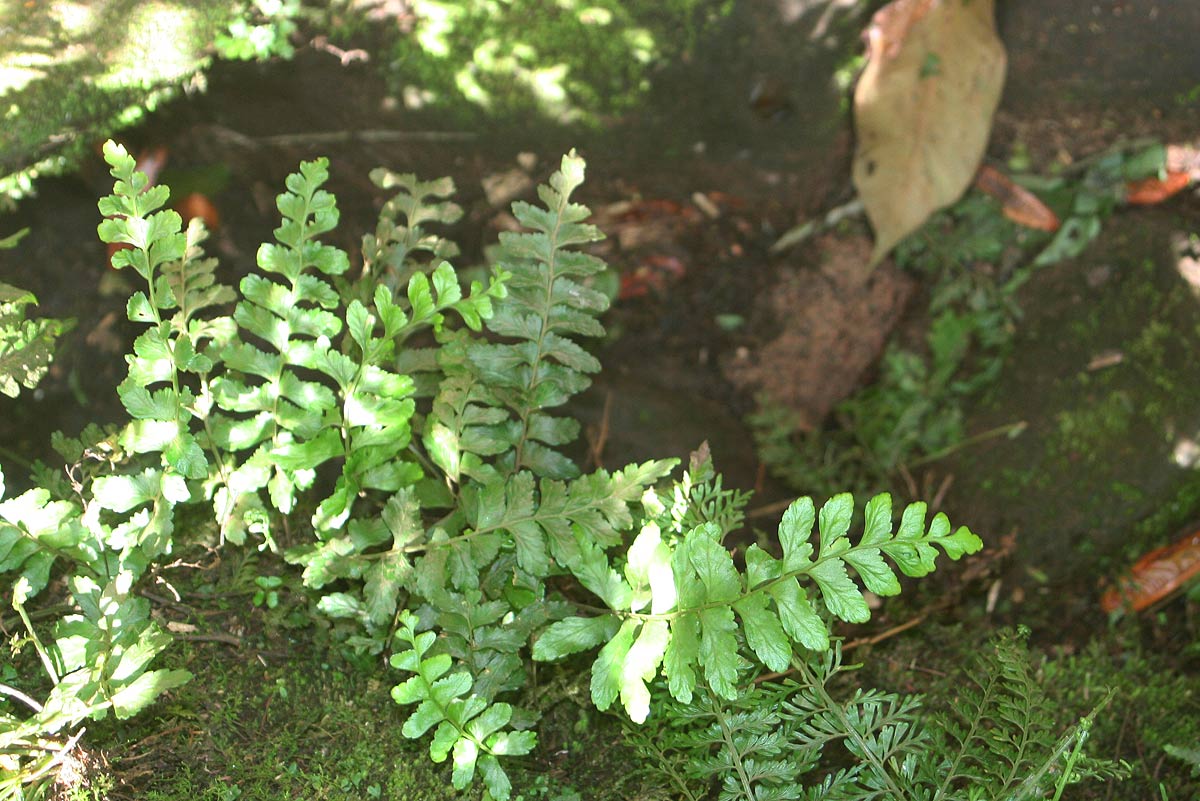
(564, 61)
(73, 73)
(1154, 705)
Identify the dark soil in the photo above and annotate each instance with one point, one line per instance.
(1083, 75)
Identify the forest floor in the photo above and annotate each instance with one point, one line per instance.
(693, 191)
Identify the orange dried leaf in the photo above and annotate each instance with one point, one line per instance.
(1149, 191)
(1156, 575)
(198, 205)
(1020, 205)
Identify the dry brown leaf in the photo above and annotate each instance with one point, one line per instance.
(1156, 575)
(1018, 203)
(923, 109)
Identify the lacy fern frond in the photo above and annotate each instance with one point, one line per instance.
(1001, 734)
(548, 304)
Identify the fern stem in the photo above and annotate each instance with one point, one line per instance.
(818, 687)
(734, 755)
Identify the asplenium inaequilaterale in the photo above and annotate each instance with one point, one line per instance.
(448, 521)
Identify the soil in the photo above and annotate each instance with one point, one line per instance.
(693, 190)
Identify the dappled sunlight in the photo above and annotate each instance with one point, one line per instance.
(155, 51)
(1186, 248)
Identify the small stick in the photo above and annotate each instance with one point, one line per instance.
(794, 236)
(598, 442)
(770, 509)
(339, 137)
(220, 636)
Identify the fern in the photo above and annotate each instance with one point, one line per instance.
(547, 305)
(696, 597)
(390, 253)
(468, 727)
(448, 521)
(26, 346)
(1000, 730)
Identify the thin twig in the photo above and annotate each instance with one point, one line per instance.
(1008, 429)
(13, 692)
(885, 635)
(770, 509)
(599, 439)
(220, 636)
(338, 137)
(794, 236)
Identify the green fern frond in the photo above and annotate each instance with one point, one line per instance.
(701, 608)
(399, 249)
(1000, 732)
(26, 346)
(548, 304)
(468, 727)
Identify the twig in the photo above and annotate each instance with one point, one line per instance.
(885, 635)
(8, 623)
(338, 137)
(1008, 429)
(794, 236)
(597, 441)
(220, 636)
(770, 509)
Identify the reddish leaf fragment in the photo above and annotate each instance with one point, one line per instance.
(198, 205)
(152, 162)
(1149, 191)
(1020, 205)
(653, 274)
(1156, 575)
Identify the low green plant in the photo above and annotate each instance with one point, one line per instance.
(996, 741)
(976, 261)
(445, 525)
(26, 346)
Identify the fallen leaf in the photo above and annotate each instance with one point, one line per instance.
(1149, 191)
(1019, 204)
(923, 110)
(198, 205)
(653, 275)
(1156, 575)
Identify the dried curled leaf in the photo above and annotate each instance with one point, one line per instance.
(1156, 575)
(1150, 191)
(1019, 204)
(923, 110)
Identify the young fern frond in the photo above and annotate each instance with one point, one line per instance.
(547, 305)
(398, 250)
(468, 727)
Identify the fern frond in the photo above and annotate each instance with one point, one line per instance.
(547, 305)
(393, 254)
(467, 725)
(1000, 734)
(693, 587)
(26, 346)
(278, 415)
